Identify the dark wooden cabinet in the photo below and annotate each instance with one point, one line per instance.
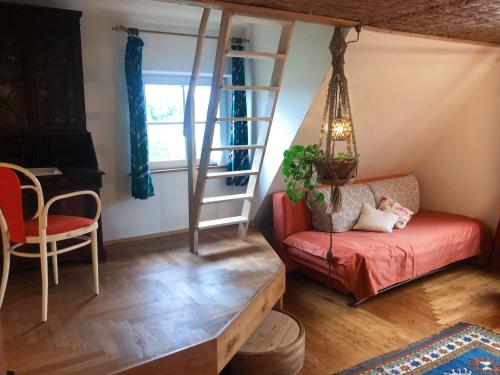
(42, 105)
(41, 81)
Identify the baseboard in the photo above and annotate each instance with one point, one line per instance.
(146, 236)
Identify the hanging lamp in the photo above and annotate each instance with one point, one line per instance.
(339, 158)
(337, 132)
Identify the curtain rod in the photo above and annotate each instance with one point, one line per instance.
(127, 29)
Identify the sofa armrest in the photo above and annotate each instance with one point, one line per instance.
(288, 218)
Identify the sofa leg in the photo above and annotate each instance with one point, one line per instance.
(356, 303)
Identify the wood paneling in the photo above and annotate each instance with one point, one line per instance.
(240, 329)
(473, 20)
(156, 299)
(338, 336)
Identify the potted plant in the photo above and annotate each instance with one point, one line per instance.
(304, 167)
(299, 171)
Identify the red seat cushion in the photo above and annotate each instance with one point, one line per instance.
(57, 224)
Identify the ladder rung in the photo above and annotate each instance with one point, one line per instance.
(226, 198)
(253, 88)
(234, 119)
(247, 172)
(239, 147)
(222, 222)
(255, 55)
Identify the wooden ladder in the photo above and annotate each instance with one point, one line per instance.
(197, 180)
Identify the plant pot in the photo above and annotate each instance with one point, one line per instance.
(342, 168)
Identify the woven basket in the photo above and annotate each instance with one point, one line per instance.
(342, 168)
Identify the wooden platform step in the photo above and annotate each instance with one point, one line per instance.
(251, 88)
(239, 147)
(226, 198)
(252, 119)
(247, 172)
(222, 222)
(256, 55)
(277, 346)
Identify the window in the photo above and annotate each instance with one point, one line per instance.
(165, 103)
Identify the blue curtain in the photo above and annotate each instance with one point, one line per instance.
(142, 184)
(238, 160)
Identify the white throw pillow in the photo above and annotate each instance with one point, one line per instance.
(373, 220)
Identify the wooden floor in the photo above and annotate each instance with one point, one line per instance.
(339, 337)
(156, 298)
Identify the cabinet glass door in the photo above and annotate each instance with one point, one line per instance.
(13, 108)
(54, 79)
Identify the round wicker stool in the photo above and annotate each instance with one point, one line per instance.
(277, 347)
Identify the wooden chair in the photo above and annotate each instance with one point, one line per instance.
(41, 229)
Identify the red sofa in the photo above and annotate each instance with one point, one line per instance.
(367, 263)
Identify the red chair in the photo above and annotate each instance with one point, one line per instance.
(42, 229)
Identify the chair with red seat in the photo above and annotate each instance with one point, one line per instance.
(42, 229)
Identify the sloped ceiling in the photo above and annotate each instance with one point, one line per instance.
(474, 20)
(407, 96)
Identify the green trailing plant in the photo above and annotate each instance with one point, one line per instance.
(343, 156)
(299, 172)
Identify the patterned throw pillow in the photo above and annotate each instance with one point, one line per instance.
(402, 189)
(353, 197)
(388, 205)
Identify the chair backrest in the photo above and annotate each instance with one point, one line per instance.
(11, 206)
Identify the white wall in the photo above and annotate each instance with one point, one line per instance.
(411, 98)
(460, 172)
(106, 101)
(307, 64)
(107, 109)
(104, 85)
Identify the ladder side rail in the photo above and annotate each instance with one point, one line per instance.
(189, 130)
(224, 34)
(272, 99)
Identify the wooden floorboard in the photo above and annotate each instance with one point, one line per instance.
(156, 299)
(338, 336)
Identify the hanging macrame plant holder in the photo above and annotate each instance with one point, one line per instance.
(337, 132)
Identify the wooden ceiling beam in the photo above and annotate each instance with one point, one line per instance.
(265, 12)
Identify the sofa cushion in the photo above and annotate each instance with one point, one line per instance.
(367, 262)
(401, 189)
(353, 197)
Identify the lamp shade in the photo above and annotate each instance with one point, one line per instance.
(341, 129)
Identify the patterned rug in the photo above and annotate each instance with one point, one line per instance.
(463, 349)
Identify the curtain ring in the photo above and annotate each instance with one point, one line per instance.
(133, 31)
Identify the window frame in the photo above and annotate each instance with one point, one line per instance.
(155, 78)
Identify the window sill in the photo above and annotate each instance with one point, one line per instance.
(183, 169)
